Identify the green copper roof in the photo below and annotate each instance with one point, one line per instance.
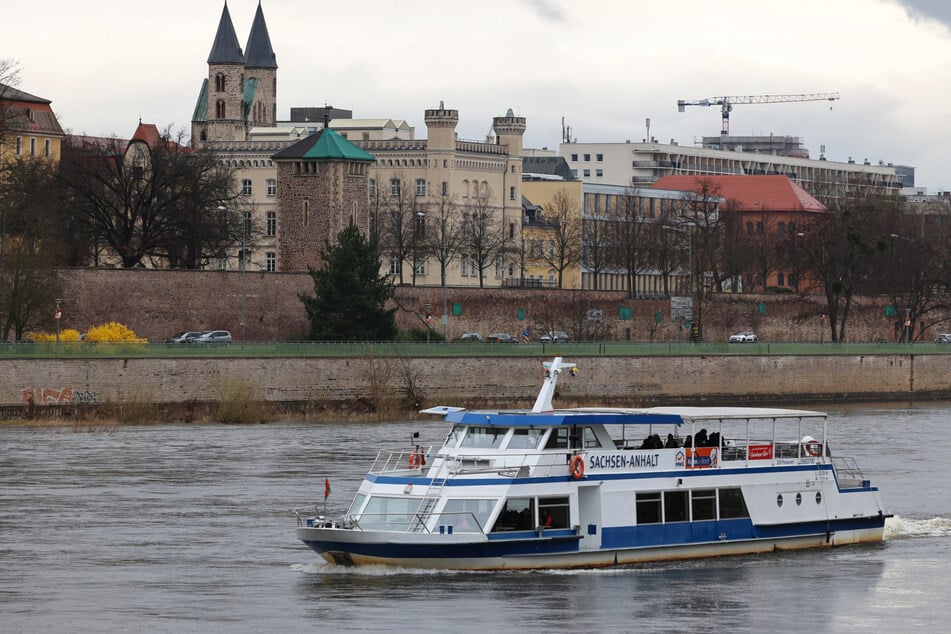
(201, 108)
(325, 145)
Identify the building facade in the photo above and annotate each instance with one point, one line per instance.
(28, 127)
(641, 164)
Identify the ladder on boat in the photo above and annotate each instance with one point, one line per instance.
(435, 489)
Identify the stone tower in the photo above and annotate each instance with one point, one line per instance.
(240, 91)
(260, 69)
(322, 186)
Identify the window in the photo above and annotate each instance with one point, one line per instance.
(780, 279)
(518, 514)
(270, 259)
(271, 224)
(372, 185)
(526, 438)
(220, 110)
(675, 506)
(599, 157)
(445, 188)
(703, 504)
(574, 173)
(394, 187)
(553, 512)
(781, 228)
(394, 266)
(246, 187)
(511, 230)
(732, 504)
(587, 157)
(551, 248)
(484, 437)
(31, 115)
(271, 187)
(599, 173)
(420, 186)
(466, 516)
(574, 157)
(32, 147)
(759, 228)
(512, 193)
(587, 173)
(47, 150)
(749, 228)
(647, 508)
(421, 267)
(19, 146)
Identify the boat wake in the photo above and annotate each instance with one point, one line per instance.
(899, 527)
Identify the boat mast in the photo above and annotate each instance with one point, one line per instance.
(552, 370)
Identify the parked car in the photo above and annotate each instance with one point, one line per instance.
(471, 337)
(944, 337)
(554, 336)
(743, 337)
(214, 336)
(501, 337)
(184, 337)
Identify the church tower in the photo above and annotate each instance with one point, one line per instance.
(240, 91)
(260, 68)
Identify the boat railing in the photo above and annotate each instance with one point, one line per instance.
(848, 473)
(458, 522)
(389, 461)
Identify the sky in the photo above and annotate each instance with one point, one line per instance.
(602, 66)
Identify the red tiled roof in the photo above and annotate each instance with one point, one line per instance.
(748, 192)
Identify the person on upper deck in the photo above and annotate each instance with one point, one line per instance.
(671, 442)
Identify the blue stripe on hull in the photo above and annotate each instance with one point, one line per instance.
(617, 538)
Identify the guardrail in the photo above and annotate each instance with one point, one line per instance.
(84, 350)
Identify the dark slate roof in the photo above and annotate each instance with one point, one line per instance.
(554, 165)
(226, 49)
(325, 145)
(258, 52)
(9, 93)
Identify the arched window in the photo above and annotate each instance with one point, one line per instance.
(220, 110)
(749, 228)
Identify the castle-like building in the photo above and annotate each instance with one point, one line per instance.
(301, 181)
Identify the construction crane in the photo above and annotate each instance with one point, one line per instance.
(726, 103)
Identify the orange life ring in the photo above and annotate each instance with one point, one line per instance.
(416, 460)
(576, 467)
(813, 448)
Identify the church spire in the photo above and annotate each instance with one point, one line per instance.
(226, 49)
(259, 51)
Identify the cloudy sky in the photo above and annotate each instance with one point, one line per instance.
(605, 66)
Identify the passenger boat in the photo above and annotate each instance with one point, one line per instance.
(593, 487)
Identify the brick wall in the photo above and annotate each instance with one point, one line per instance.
(158, 303)
(632, 381)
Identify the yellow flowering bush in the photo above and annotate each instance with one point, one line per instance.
(113, 331)
(67, 335)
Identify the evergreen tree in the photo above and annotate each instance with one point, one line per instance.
(350, 294)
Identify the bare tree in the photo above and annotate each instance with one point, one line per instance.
(628, 238)
(564, 228)
(9, 77)
(445, 232)
(136, 203)
(401, 225)
(483, 240)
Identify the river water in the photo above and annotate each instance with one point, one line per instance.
(188, 528)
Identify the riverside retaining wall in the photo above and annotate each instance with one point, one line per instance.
(512, 381)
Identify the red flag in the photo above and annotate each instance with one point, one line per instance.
(326, 488)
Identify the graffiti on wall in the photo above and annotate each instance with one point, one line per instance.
(51, 396)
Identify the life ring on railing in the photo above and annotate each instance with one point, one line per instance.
(576, 467)
(813, 448)
(417, 459)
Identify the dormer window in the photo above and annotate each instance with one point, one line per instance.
(31, 115)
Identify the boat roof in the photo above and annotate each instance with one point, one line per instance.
(543, 414)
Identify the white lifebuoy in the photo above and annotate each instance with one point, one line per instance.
(813, 448)
(576, 467)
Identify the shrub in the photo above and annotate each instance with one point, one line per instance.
(113, 332)
(68, 335)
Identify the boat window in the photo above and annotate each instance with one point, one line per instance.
(466, 516)
(558, 438)
(457, 432)
(525, 438)
(553, 512)
(357, 503)
(517, 515)
(732, 504)
(389, 513)
(675, 506)
(484, 437)
(648, 508)
(591, 439)
(703, 504)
